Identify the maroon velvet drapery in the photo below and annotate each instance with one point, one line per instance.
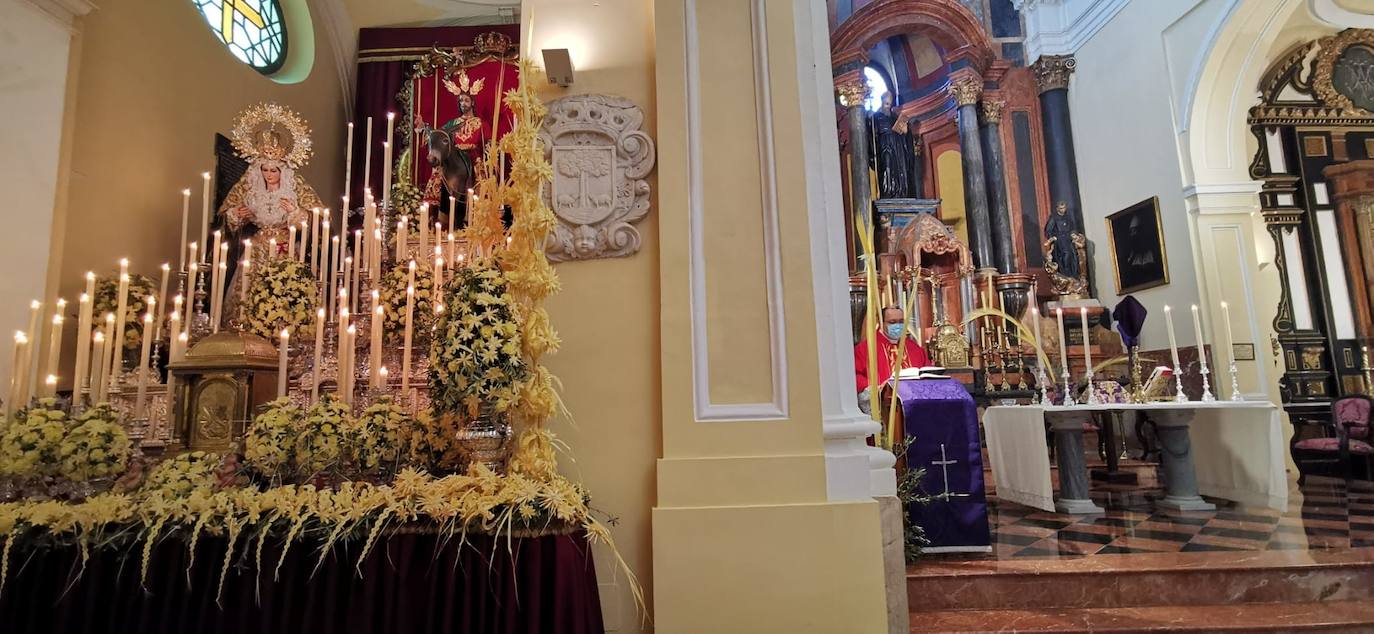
(408, 583)
(385, 57)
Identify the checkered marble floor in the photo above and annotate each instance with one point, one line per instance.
(1322, 514)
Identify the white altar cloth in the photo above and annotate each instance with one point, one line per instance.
(1237, 450)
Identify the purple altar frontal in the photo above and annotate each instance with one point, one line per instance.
(942, 419)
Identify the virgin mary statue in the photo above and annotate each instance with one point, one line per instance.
(269, 198)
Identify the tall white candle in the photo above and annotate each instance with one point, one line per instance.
(107, 371)
(1197, 332)
(185, 214)
(376, 265)
(319, 353)
(215, 290)
(352, 335)
(405, 358)
(1063, 340)
(424, 228)
(348, 165)
(174, 332)
(247, 266)
(116, 336)
(205, 209)
(438, 277)
(97, 378)
(346, 282)
(141, 400)
(317, 241)
(367, 157)
(15, 396)
(1230, 342)
(341, 351)
(183, 341)
(83, 341)
(191, 266)
(282, 348)
(1087, 340)
(31, 351)
(54, 346)
(162, 301)
(401, 238)
(1173, 342)
(219, 312)
(291, 242)
(387, 149)
(375, 349)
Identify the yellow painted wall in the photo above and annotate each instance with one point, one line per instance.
(154, 86)
(949, 171)
(608, 311)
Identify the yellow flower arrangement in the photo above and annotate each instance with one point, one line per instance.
(32, 443)
(320, 440)
(107, 301)
(182, 476)
(376, 438)
(270, 444)
(97, 447)
(282, 295)
(475, 357)
(393, 295)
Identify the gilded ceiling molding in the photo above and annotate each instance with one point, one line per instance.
(1052, 71)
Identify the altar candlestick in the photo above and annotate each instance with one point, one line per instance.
(405, 358)
(162, 301)
(351, 377)
(243, 283)
(319, 354)
(174, 332)
(322, 270)
(316, 247)
(376, 264)
(1063, 348)
(282, 349)
(291, 242)
(83, 342)
(1087, 341)
(185, 214)
(54, 345)
(213, 255)
(453, 209)
(1197, 332)
(401, 238)
(367, 157)
(191, 268)
(107, 370)
(141, 400)
(450, 249)
(375, 349)
(12, 400)
(1173, 342)
(348, 165)
(424, 228)
(219, 293)
(97, 366)
(340, 355)
(386, 177)
(116, 336)
(30, 366)
(205, 209)
(438, 276)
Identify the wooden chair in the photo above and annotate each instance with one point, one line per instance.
(1346, 439)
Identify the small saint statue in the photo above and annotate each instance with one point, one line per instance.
(1065, 253)
(894, 152)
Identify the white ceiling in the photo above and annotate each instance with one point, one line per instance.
(372, 13)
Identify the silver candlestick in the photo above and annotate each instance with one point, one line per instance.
(1179, 396)
(1092, 394)
(1207, 396)
(1042, 381)
(1068, 389)
(1235, 384)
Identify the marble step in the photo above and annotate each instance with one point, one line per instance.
(1328, 616)
(1141, 580)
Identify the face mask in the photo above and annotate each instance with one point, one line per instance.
(894, 331)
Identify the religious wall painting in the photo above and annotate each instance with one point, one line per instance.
(1136, 236)
(601, 160)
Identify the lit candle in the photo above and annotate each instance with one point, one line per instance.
(438, 236)
(29, 368)
(1063, 339)
(162, 301)
(348, 282)
(401, 238)
(317, 247)
(205, 208)
(1197, 332)
(378, 317)
(323, 270)
(55, 345)
(438, 276)
(304, 234)
(387, 149)
(1173, 342)
(141, 401)
(185, 214)
(247, 265)
(348, 163)
(97, 378)
(12, 402)
(182, 341)
(376, 265)
(450, 248)
(319, 351)
(219, 312)
(291, 242)
(352, 353)
(215, 293)
(341, 352)
(107, 374)
(405, 358)
(282, 348)
(191, 268)
(116, 336)
(83, 339)
(383, 373)
(174, 332)
(367, 157)
(368, 211)
(357, 252)
(1087, 340)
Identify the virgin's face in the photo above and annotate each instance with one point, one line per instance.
(271, 174)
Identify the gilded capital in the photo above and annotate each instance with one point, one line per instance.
(992, 111)
(1052, 71)
(966, 91)
(852, 92)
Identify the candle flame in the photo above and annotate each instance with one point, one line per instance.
(35, 304)
(100, 337)
(51, 380)
(1223, 304)
(285, 333)
(90, 275)
(186, 192)
(319, 313)
(166, 267)
(57, 320)
(85, 298)
(383, 371)
(20, 337)
(124, 261)
(378, 311)
(183, 338)
(61, 303)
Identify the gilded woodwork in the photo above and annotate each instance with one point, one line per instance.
(966, 91)
(1314, 146)
(1052, 71)
(1336, 51)
(992, 111)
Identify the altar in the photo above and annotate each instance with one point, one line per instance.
(1229, 450)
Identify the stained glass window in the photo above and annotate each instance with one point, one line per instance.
(877, 87)
(253, 30)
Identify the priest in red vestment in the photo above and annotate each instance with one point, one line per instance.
(888, 335)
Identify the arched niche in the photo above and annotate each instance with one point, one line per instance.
(948, 24)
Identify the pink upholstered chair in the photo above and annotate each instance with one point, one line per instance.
(1350, 422)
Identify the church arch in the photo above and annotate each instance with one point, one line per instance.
(946, 22)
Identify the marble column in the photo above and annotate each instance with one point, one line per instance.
(1176, 462)
(966, 92)
(1052, 75)
(999, 205)
(853, 93)
(1073, 469)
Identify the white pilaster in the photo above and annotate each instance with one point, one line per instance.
(1061, 27)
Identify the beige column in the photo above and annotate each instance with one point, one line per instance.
(757, 527)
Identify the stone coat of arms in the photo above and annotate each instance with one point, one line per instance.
(601, 159)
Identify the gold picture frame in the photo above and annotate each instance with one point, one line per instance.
(1136, 237)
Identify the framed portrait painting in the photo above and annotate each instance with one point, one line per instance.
(1137, 240)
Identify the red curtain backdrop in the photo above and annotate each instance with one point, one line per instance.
(386, 58)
